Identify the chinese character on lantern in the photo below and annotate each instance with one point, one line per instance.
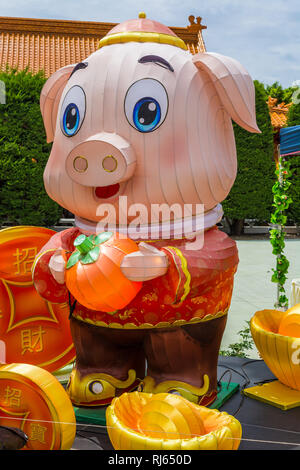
(32, 340)
(24, 259)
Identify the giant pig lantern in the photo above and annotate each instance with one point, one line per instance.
(143, 119)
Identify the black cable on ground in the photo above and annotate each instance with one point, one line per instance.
(246, 382)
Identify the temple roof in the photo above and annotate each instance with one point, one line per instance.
(42, 44)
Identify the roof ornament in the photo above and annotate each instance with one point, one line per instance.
(196, 26)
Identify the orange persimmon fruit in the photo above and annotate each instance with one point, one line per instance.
(93, 273)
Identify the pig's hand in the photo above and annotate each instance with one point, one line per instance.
(145, 264)
(57, 266)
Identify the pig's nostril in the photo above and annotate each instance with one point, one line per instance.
(109, 163)
(80, 164)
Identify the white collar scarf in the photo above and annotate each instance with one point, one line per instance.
(164, 230)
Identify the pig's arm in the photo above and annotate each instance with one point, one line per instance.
(49, 287)
(180, 271)
(194, 271)
(145, 264)
(166, 267)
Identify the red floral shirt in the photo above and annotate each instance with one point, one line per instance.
(197, 286)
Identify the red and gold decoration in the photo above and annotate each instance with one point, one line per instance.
(93, 274)
(32, 400)
(143, 421)
(197, 287)
(195, 292)
(34, 331)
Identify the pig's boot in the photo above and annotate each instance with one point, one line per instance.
(184, 361)
(109, 362)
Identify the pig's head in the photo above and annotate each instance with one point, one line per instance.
(143, 118)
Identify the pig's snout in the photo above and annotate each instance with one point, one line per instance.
(101, 160)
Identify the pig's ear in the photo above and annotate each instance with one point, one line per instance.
(50, 97)
(234, 87)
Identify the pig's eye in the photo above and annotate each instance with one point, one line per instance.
(146, 105)
(72, 111)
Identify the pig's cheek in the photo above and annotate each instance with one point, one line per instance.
(78, 199)
(56, 181)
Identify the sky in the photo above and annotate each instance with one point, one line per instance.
(264, 35)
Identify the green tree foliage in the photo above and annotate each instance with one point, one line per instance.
(283, 95)
(294, 112)
(24, 153)
(293, 212)
(251, 194)
(294, 115)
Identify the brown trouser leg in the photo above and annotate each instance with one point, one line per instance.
(107, 350)
(185, 353)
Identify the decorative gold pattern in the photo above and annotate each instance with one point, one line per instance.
(186, 390)
(150, 297)
(35, 318)
(80, 392)
(132, 326)
(184, 267)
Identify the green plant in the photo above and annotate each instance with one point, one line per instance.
(281, 203)
(242, 347)
(251, 194)
(294, 112)
(283, 95)
(293, 212)
(24, 153)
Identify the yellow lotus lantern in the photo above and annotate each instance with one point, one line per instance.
(163, 421)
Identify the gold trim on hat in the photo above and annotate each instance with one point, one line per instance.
(141, 36)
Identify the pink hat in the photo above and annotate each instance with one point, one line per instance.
(142, 30)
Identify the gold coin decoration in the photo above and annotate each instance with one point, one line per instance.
(33, 400)
(34, 331)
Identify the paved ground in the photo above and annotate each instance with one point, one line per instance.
(253, 289)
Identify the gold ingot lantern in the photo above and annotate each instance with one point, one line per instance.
(163, 421)
(281, 353)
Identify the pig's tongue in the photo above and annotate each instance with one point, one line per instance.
(104, 192)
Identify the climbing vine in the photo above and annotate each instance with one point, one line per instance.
(281, 202)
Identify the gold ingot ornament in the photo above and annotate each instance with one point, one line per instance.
(163, 421)
(280, 352)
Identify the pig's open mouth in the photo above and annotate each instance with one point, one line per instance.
(104, 192)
